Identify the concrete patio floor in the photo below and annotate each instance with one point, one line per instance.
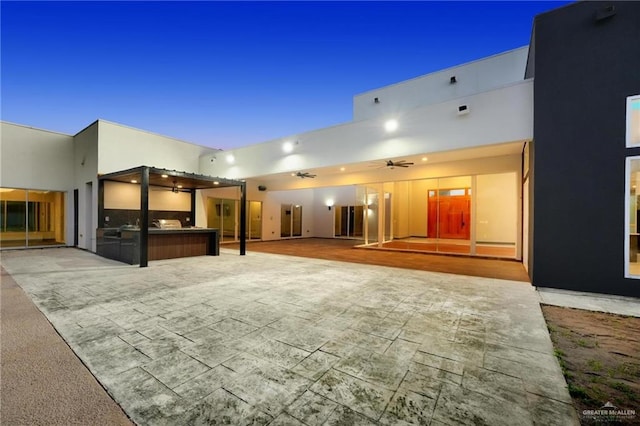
(272, 339)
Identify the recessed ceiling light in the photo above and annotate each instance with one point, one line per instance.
(342, 169)
(164, 176)
(424, 158)
(391, 125)
(287, 147)
(293, 174)
(134, 181)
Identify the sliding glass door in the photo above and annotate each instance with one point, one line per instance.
(30, 218)
(290, 220)
(221, 214)
(254, 220)
(348, 221)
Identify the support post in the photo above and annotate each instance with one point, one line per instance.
(243, 219)
(144, 217)
(101, 221)
(193, 208)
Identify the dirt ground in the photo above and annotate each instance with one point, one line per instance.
(600, 356)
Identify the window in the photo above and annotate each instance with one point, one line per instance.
(632, 191)
(31, 218)
(633, 121)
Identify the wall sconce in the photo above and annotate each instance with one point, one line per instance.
(230, 158)
(391, 125)
(453, 80)
(329, 204)
(287, 147)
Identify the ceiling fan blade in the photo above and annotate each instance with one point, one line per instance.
(303, 175)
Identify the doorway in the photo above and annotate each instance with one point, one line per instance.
(221, 214)
(89, 230)
(290, 220)
(31, 218)
(254, 220)
(449, 214)
(348, 221)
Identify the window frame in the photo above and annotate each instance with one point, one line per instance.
(630, 101)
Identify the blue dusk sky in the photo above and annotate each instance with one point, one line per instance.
(230, 74)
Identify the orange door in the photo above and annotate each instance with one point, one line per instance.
(449, 216)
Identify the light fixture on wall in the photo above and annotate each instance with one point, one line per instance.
(134, 181)
(329, 204)
(231, 159)
(164, 176)
(287, 147)
(391, 125)
(453, 80)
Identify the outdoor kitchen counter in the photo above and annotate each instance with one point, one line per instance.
(123, 244)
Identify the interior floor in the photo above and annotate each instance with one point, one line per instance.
(451, 246)
(347, 251)
(32, 244)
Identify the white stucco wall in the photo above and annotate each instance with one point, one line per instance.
(85, 160)
(496, 116)
(123, 147)
(471, 78)
(34, 158)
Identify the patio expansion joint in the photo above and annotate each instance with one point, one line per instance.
(233, 394)
(395, 392)
(550, 398)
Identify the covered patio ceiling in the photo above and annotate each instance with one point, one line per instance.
(377, 170)
(171, 178)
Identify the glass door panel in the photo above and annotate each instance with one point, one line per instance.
(297, 221)
(348, 221)
(372, 216)
(31, 218)
(285, 220)
(340, 221)
(496, 219)
(356, 219)
(14, 217)
(228, 220)
(254, 220)
(290, 220)
(221, 214)
(388, 231)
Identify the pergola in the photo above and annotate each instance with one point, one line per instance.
(147, 176)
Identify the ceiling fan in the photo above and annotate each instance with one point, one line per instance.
(303, 175)
(175, 188)
(399, 163)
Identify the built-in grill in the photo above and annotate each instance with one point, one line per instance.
(167, 224)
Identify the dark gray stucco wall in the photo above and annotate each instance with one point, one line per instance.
(584, 70)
